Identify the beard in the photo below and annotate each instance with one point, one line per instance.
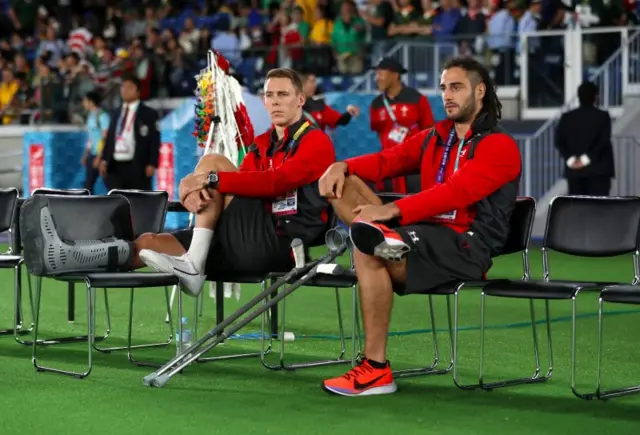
(465, 111)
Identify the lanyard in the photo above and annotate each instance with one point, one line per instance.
(310, 117)
(445, 156)
(391, 114)
(292, 142)
(127, 127)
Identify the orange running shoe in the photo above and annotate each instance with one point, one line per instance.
(373, 238)
(362, 380)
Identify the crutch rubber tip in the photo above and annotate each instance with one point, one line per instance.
(148, 380)
(159, 381)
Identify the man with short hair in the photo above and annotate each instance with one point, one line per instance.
(132, 146)
(320, 113)
(398, 113)
(256, 210)
(583, 139)
(469, 169)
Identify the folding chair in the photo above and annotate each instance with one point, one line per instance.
(9, 260)
(342, 281)
(620, 294)
(148, 212)
(576, 225)
(101, 217)
(520, 227)
(71, 294)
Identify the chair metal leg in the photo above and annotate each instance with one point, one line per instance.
(598, 393)
(433, 368)
(456, 328)
(356, 349)
(90, 335)
(129, 346)
(18, 313)
(220, 319)
(535, 378)
(65, 340)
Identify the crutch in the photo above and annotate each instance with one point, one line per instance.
(212, 131)
(336, 241)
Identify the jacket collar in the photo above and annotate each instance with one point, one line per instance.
(479, 126)
(288, 132)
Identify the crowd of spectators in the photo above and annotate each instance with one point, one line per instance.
(52, 52)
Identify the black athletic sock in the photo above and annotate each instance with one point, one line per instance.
(378, 365)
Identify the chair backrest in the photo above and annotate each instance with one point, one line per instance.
(65, 192)
(520, 226)
(148, 209)
(8, 202)
(591, 226)
(86, 217)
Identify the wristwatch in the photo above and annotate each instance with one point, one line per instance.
(212, 180)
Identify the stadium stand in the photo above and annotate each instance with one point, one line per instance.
(51, 55)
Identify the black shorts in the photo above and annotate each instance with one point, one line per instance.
(244, 242)
(439, 255)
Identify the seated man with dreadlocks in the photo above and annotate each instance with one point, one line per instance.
(255, 210)
(469, 169)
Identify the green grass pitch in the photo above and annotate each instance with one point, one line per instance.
(241, 397)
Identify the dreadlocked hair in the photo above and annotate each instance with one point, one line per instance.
(478, 73)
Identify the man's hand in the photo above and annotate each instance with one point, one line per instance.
(103, 169)
(149, 171)
(377, 213)
(195, 202)
(331, 183)
(353, 110)
(192, 183)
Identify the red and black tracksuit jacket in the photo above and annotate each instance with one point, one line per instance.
(322, 115)
(411, 109)
(482, 192)
(273, 168)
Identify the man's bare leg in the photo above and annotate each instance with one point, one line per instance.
(375, 275)
(205, 221)
(354, 193)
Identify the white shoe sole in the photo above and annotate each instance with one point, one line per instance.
(190, 284)
(375, 391)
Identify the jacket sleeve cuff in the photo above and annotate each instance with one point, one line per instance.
(408, 213)
(585, 160)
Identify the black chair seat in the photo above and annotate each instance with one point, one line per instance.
(241, 278)
(7, 261)
(122, 280)
(345, 279)
(537, 289)
(449, 288)
(622, 294)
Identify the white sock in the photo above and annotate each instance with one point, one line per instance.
(199, 248)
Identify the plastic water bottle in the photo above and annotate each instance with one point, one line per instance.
(183, 342)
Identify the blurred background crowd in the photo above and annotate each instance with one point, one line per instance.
(52, 52)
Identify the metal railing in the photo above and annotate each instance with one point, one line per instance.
(543, 165)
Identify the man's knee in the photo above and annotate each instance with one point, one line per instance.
(214, 162)
(145, 241)
(397, 270)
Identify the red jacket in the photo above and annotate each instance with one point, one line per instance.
(410, 108)
(274, 168)
(495, 166)
(261, 176)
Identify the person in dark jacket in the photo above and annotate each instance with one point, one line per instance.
(450, 231)
(583, 139)
(132, 146)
